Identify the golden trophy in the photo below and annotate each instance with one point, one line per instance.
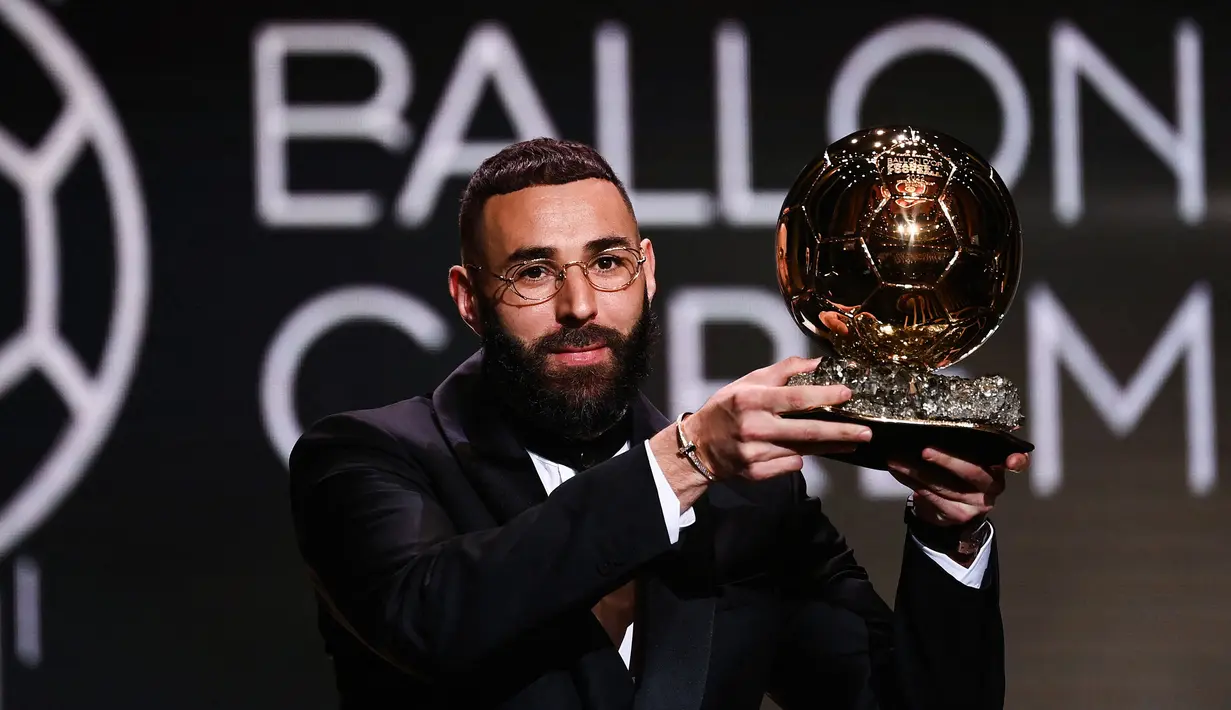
(899, 249)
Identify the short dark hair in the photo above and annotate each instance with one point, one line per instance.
(539, 161)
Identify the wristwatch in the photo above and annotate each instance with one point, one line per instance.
(961, 540)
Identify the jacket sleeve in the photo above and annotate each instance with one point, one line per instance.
(940, 646)
(389, 561)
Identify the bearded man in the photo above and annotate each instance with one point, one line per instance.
(535, 534)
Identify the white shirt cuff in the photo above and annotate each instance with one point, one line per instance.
(971, 576)
(672, 517)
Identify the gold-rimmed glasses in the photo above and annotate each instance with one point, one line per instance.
(539, 280)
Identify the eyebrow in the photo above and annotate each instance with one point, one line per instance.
(592, 247)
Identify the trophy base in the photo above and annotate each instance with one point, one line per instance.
(905, 440)
(909, 409)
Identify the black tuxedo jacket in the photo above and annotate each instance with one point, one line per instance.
(447, 578)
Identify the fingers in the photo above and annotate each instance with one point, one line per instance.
(741, 433)
(982, 479)
(763, 470)
(936, 509)
(812, 431)
(964, 483)
(779, 372)
(763, 436)
(761, 451)
(1017, 463)
(772, 461)
(766, 437)
(770, 446)
(801, 398)
(947, 512)
(939, 483)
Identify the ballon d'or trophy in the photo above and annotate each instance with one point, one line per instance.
(899, 249)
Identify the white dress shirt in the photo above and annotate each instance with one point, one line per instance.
(553, 474)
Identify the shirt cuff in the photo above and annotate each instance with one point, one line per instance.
(971, 576)
(672, 517)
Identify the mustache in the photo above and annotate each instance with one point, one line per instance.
(589, 335)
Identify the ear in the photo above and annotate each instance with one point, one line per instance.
(462, 289)
(647, 269)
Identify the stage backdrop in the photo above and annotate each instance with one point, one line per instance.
(221, 223)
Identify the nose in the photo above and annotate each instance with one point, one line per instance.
(576, 300)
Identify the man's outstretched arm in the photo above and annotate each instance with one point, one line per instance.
(942, 645)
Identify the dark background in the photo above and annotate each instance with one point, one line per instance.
(168, 575)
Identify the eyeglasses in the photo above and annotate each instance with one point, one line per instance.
(539, 280)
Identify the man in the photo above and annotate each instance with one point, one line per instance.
(535, 534)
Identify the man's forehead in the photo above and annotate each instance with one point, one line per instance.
(557, 220)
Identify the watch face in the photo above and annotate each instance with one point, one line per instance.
(969, 543)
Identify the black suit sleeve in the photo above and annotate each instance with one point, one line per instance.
(941, 646)
(388, 559)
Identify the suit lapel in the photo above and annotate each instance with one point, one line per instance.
(491, 457)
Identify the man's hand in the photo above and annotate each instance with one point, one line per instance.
(739, 431)
(950, 491)
(615, 612)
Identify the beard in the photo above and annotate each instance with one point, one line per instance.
(577, 403)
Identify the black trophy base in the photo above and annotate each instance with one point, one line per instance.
(910, 408)
(905, 440)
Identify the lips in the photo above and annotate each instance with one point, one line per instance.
(579, 349)
(573, 356)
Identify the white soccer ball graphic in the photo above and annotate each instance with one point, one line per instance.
(87, 123)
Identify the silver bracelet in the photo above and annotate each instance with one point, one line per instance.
(689, 449)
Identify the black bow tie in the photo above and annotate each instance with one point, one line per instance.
(578, 455)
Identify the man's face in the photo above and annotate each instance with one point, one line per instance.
(572, 362)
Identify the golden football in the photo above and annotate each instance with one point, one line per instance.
(899, 244)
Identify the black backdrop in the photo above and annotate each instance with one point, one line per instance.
(152, 296)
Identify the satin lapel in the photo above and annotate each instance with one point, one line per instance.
(647, 420)
(490, 456)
